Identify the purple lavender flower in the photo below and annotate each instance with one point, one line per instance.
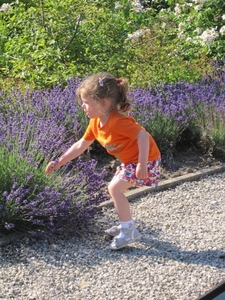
(37, 127)
(9, 226)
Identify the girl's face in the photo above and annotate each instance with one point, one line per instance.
(92, 108)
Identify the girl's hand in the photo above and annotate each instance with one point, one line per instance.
(51, 167)
(141, 171)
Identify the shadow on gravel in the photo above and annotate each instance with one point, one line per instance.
(170, 251)
(91, 251)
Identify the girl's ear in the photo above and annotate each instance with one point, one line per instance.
(105, 102)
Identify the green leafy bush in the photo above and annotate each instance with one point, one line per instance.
(45, 43)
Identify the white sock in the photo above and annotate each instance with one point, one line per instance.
(127, 225)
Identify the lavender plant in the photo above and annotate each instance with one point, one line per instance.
(167, 110)
(208, 101)
(35, 128)
(161, 111)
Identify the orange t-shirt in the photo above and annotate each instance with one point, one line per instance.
(119, 137)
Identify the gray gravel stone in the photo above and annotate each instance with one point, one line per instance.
(181, 254)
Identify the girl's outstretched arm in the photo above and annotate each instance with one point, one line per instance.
(74, 151)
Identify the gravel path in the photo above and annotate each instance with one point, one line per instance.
(181, 255)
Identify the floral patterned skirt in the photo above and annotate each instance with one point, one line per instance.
(128, 173)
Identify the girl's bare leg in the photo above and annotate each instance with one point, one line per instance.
(116, 188)
(127, 232)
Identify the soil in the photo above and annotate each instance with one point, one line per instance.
(184, 162)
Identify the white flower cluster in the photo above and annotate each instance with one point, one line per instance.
(163, 26)
(199, 4)
(118, 5)
(137, 6)
(138, 34)
(222, 30)
(5, 7)
(198, 7)
(181, 29)
(181, 26)
(177, 9)
(208, 36)
(199, 1)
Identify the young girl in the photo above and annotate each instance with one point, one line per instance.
(104, 100)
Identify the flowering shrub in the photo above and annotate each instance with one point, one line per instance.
(44, 43)
(166, 111)
(35, 128)
(200, 27)
(162, 111)
(208, 103)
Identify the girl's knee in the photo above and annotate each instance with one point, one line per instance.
(117, 186)
(111, 188)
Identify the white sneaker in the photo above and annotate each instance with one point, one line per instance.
(113, 231)
(130, 236)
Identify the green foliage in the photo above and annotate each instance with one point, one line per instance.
(199, 29)
(34, 43)
(45, 42)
